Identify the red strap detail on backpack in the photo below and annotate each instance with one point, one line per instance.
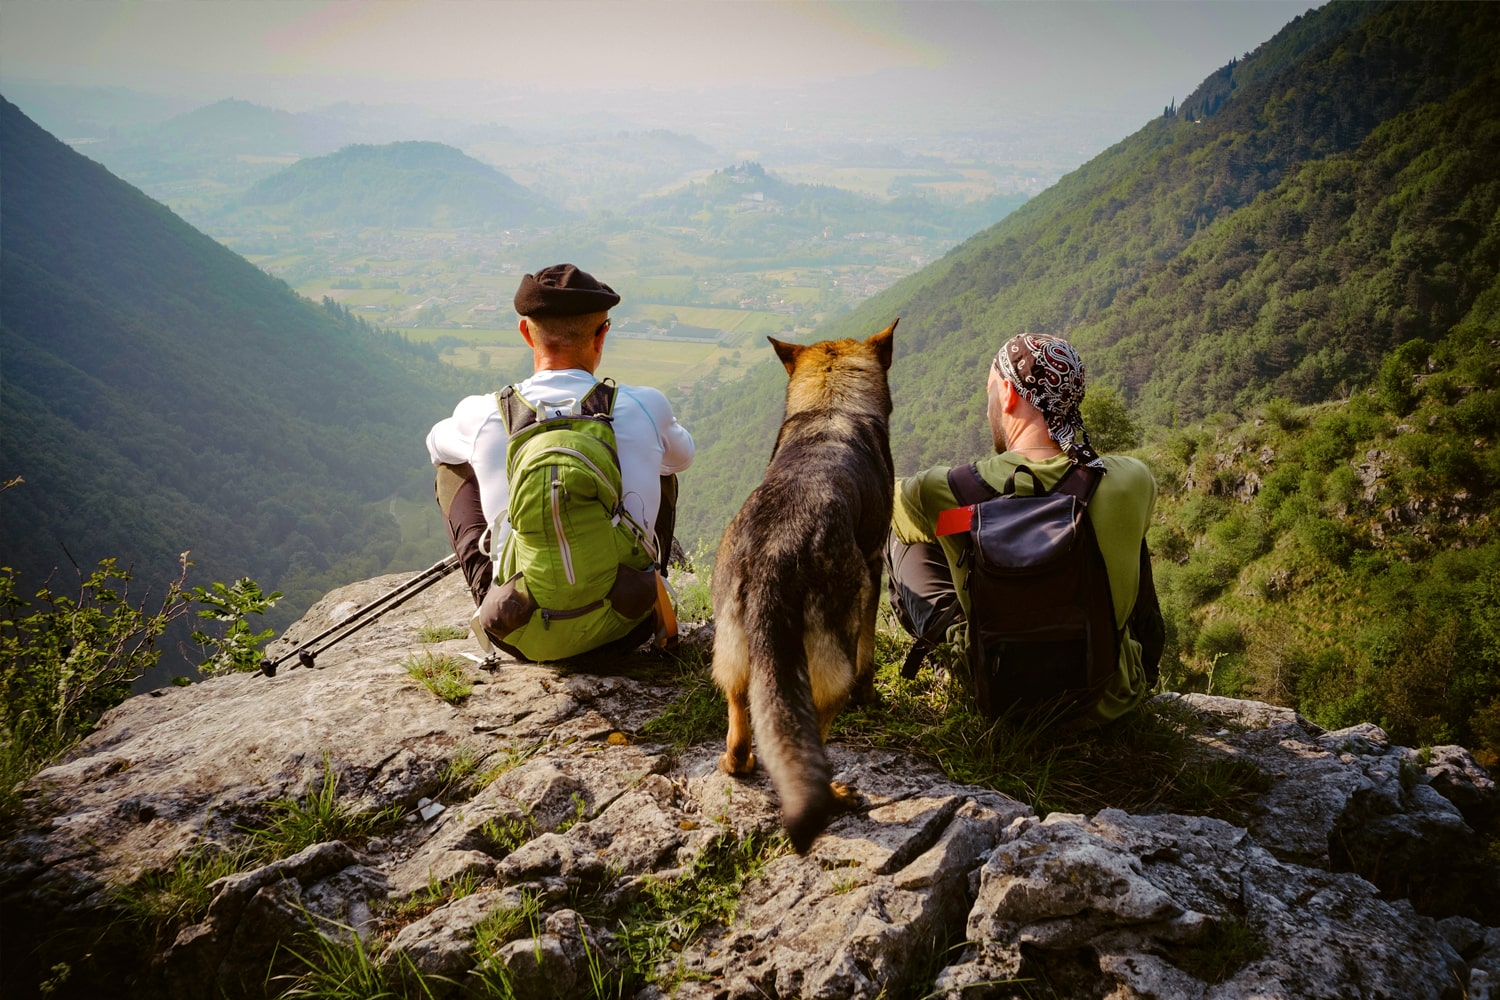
(955, 520)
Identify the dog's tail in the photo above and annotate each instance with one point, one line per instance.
(785, 723)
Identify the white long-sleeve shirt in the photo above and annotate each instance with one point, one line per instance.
(648, 438)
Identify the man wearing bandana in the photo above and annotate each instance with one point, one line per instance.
(1036, 384)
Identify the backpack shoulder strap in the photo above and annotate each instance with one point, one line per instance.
(1079, 481)
(968, 485)
(519, 414)
(600, 402)
(514, 410)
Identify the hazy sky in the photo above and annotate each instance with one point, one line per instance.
(300, 54)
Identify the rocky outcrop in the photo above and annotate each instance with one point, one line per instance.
(533, 825)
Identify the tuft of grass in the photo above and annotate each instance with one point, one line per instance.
(440, 633)
(511, 759)
(672, 913)
(166, 900)
(1228, 946)
(697, 715)
(506, 833)
(319, 817)
(694, 602)
(496, 930)
(580, 813)
(461, 766)
(437, 893)
(1147, 759)
(339, 966)
(444, 675)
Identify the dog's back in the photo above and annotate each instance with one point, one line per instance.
(796, 579)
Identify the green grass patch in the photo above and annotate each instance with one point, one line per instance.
(444, 675)
(438, 893)
(504, 834)
(317, 818)
(1228, 946)
(166, 900)
(441, 633)
(510, 759)
(498, 929)
(338, 966)
(1146, 760)
(698, 713)
(671, 913)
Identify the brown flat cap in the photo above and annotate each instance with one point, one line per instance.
(563, 290)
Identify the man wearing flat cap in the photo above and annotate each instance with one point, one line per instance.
(564, 318)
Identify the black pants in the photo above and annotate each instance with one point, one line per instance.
(922, 595)
(458, 499)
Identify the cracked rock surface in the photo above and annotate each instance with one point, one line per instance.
(1357, 874)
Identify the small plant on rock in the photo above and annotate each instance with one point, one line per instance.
(445, 676)
(319, 817)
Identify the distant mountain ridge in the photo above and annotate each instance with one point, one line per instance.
(162, 394)
(400, 185)
(809, 209)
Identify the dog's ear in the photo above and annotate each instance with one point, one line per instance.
(787, 353)
(884, 348)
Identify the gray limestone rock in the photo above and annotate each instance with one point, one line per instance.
(537, 806)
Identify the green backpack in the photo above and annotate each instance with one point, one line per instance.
(577, 570)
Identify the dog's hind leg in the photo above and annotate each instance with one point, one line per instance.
(731, 672)
(864, 692)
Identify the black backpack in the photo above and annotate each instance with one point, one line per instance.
(1041, 616)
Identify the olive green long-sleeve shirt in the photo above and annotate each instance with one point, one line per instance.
(1120, 512)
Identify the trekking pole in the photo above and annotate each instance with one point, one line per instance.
(305, 654)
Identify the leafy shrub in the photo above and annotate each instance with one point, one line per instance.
(1199, 511)
(1285, 414)
(1343, 488)
(1394, 386)
(1219, 637)
(1329, 442)
(1326, 538)
(1110, 426)
(238, 649)
(65, 660)
(1281, 482)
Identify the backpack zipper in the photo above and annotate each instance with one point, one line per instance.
(549, 616)
(557, 525)
(598, 472)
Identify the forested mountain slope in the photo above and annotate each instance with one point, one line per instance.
(402, 185)
(1294, 280)
(161, 394)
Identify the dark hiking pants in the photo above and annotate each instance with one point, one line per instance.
(922, 596)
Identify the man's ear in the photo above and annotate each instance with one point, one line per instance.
(525, 329)
(1009, 397)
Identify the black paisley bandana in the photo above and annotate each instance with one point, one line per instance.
(1049, 375)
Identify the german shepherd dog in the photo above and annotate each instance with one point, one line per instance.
(796, 582)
